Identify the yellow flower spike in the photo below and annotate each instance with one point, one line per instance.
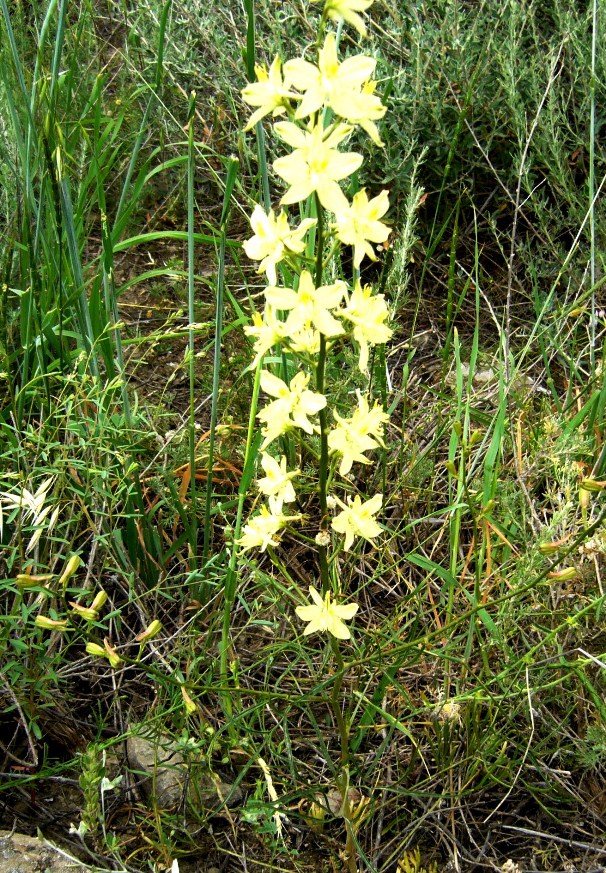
(309, 306)
(53, 624)
(347, 10)
(368, 313)
(315, 164)
(269, 93)
(151, 631)
(71, 567)
(277, 482)
(274, 239)
(358, 225)
(357, 519)
(323, 615)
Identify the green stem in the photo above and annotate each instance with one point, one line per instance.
(230, 580)
(320, 373)
(335, 702)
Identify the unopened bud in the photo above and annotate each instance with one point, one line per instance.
(584, 497)
(100, 600)
(71, 567)
(85, 612)
(95, 650)
(46, 623)
(111, 654)
(593, 485)
(25, 580)
(150, 632)
(565, 575)
(190, 706)
(451, 467)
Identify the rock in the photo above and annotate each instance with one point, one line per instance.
(161, 769)
(166, 778)
(21, 854)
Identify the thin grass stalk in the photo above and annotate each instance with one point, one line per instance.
(121, 210)
(250, 455)
(232, 171)
(250, 53)
(191, 312)
(592, 250)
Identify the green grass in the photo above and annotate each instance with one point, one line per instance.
(473, 687)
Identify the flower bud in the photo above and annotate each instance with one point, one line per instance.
(71, 567)
(190, 706)
(110, 653)
(95, 650)
(567, 574)
(25, 580)
(100, 600)
(593, 485)
(150, 632)
(85, 612)
(46, 623)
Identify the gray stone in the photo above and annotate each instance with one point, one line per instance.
(165, 778)
(22, 854)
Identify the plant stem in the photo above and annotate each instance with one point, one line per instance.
(320, 372)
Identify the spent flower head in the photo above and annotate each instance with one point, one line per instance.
(323, 615)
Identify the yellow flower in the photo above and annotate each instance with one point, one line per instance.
(309, 306)
(347, 10)
(306, 340)
(368, 313)
(269, 93)
(361, 107)
(260, 531)
(323, 615)
(315, 164)
(277, 483)
(358, 225)
(360, 433)
(273, 239)
(293, 404)
(267, 330)
(357, 520)
(330, 80)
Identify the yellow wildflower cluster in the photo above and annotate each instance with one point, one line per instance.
(321, 105)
